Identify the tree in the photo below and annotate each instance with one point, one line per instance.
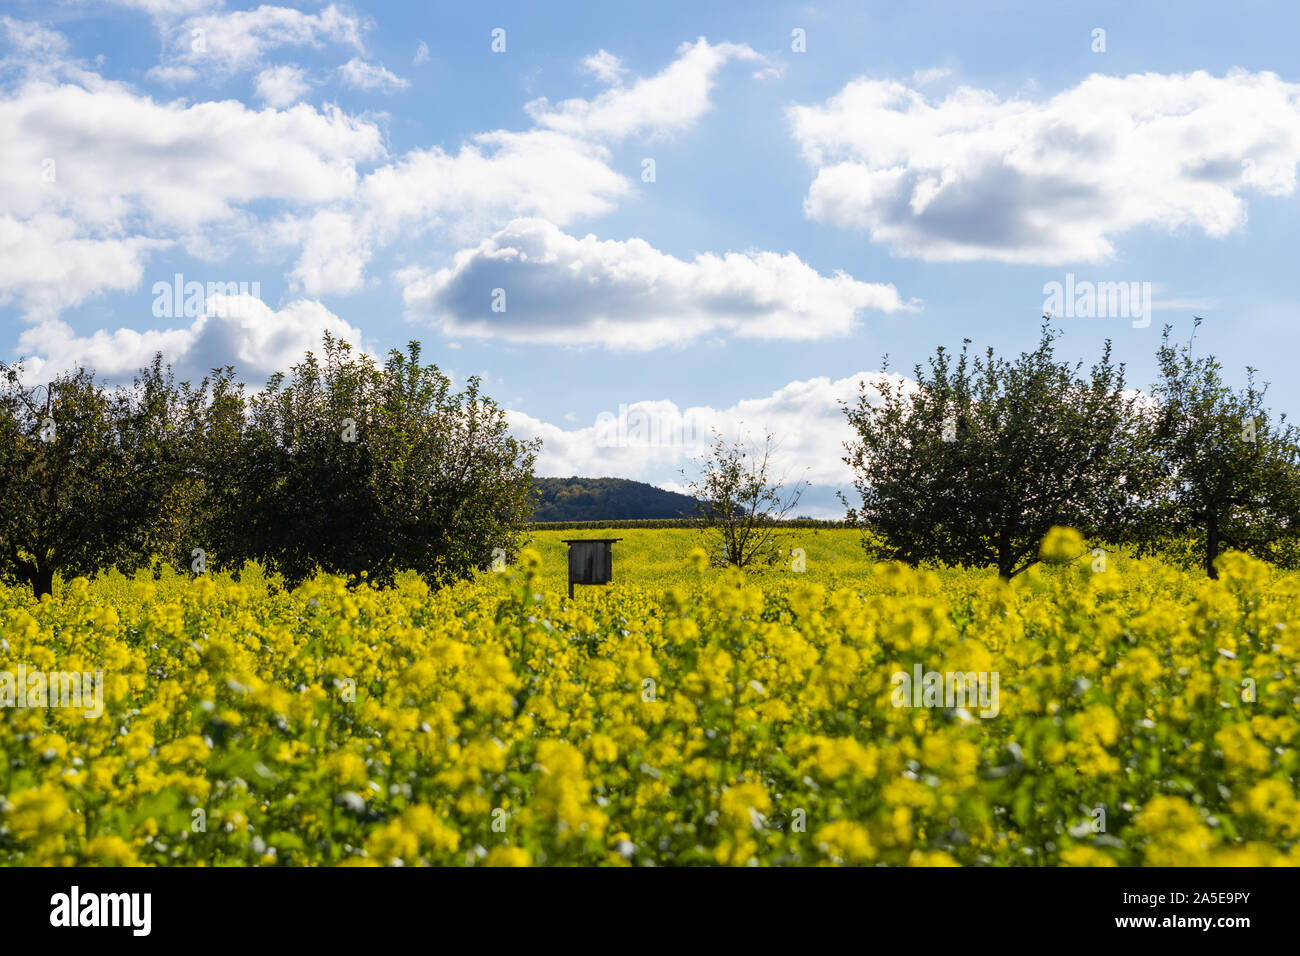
(1230, 473)
(352, 467)
(88, 475)
(740, 504)
(221, 472)
(977, 459)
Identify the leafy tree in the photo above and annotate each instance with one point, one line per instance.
(352, 467)
(977, 459)
(89, 476)
(1230, 477)
(220, 472)
(740, 502)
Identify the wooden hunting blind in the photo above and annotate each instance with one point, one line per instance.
(591, 560)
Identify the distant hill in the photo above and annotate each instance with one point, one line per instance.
(606, 499)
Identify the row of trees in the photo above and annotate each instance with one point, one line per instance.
(344, 465)
(349, 466)
(978, 458)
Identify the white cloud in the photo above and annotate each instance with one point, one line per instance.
(360, 75)
(495, 177)
(421, 53)
(604, 66)
(333, 257)
(973, 176)
(173, 75)
(223, 42)
(671, 100)
(165, 9)
(214, 167)
(560, 172)
(35, 52)
(47, 266)
(492, 179)
(209, 162)
(281, 86)
(202, 160)
(72, 184)
(564, 290)
(236, 330)
(33, 39)
(931, 75)
(651, 440)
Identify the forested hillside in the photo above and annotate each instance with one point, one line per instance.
(606, 499)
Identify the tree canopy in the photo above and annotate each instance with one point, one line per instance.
(90, 477)
(740, 501)
(1228, 469)
(974, 461)
(343, 465)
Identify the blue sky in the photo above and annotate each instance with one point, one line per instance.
(916, 174)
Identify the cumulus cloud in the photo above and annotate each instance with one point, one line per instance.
(627, 294)
(223, 42)
(205, 175)
(281, 86)
(973, 176)
(333, 257)
(491, 179)
(202, 159)
(32, 39)
(169, 8)
(293, 180)
(360, 75)
(495, 177)
(47, 265)
(650, 440)
(209, 162)
(35, 52)
(671, 100)
(604, 66)
(72, 188)
(239, 330)
(560, 171)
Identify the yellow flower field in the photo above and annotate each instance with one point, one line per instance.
(682, 715)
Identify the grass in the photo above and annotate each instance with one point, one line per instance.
(658, 557)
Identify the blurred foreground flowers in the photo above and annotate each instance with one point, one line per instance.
(1146, 716)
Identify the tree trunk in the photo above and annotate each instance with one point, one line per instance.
(1212, 547)
(42, 582)
(1005, 558)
